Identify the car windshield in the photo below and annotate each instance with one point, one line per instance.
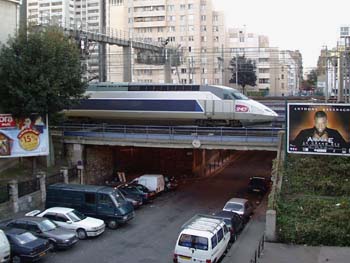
(119, 197)
(233, 206)
(142, 188)
(25, 238)
(239, 96)
(257, 181)
(47, 225)
(76, 216)
(192, 241)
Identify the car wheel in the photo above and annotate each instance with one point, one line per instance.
(112, 224)
(16, 259)
(81, 233)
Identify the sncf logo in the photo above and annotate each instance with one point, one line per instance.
(242, 108)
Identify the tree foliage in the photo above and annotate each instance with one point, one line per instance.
(246, 71)
(40, 72)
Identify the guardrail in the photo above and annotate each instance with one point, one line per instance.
(258, 250)
(171, 133)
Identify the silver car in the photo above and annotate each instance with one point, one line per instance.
(240, 206)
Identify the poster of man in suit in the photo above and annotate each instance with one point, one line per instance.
(318, 128)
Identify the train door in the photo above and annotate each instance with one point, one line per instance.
(209, 106)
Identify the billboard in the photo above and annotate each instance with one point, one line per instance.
(23, 137)
(318, 128)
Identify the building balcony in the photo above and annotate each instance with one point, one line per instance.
(149, 13)
(149, 3)
(150, 24)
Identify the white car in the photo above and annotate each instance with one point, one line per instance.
(70, 218)
(4, 248)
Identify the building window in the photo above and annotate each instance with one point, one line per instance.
(264, 70)
(215, 18)
(264, 81)
(203, 18)
(171, 8)
(203, 38)
(190, 38)
(241, 39)
(182, 7)
(203, 28)
(190, 6)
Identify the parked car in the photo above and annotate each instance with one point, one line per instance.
(202, 239)
(135, 200)
(59, 237)
(103, 202)
(132, 190)
(25, 247)
(4, 248)
(70, 218)
(233, 221)
(170, 183)
(154, 182)
(240, 206)
(150, 194)
(259, 185)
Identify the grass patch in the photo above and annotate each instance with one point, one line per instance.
(314, 204)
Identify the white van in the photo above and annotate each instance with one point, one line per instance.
(4, 248)
(203, 239)
(154, 182)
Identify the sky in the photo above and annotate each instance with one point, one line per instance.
(306, 25)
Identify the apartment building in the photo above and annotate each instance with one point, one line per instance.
(289, 73)
(191, 27)
(87, 15)
(240, 42)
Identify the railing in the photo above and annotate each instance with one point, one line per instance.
(172, 132)
(28, 187)
(258, 250)
(4, 193)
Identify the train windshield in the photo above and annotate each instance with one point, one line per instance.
(239, 96)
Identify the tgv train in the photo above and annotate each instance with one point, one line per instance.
(170, 104)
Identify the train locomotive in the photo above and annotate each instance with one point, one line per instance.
(169, 104)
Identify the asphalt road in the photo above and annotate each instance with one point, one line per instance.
(150, 237)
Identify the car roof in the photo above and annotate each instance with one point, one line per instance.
(237, 200)
(31, 218)
(13, 231)
(58, 210)
(225, 214)
(258, 178)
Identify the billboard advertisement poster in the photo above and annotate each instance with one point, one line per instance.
(318, 128)
(23, 137)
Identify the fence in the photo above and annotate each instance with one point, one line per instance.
(258, 250)
(4, 193)
(56, 178)
(28, 187)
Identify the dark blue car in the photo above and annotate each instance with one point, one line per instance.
(131, 189)
(25, 247)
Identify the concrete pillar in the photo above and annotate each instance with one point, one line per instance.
(102, 55)
(64, 171)
(204, 163)
(127, 67)
(270, 228)
(167, 70)
(42, 181)
(14, 195)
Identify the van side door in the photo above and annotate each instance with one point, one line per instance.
(89, 205)
(105, 207)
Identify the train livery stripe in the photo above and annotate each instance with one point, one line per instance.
(139, 105)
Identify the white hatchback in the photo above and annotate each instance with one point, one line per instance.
(4, 248)
(70, 218)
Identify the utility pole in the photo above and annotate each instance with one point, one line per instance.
(326, 78)
(236, 70)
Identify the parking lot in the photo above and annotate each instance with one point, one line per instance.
(151, 235)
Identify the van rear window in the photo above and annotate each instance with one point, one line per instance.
(192, 241)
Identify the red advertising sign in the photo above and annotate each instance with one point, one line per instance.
(7, 121)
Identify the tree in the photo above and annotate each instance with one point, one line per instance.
(245, 70)
(40, 72)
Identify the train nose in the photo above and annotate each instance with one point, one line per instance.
(270, 112)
